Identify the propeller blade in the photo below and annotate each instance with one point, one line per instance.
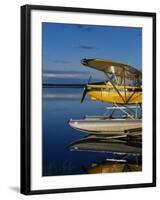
(89, 80)
(84, 94)
(85, 89)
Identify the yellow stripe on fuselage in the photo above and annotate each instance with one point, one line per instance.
(107, 93)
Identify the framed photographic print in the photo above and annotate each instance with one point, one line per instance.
(88, 99)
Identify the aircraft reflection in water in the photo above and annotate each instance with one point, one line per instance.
(121, 135)
(112, 165)
(127, 149)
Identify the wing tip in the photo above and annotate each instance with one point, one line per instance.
(85, 61)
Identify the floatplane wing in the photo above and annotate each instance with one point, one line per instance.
(126, 81)
(118, 73)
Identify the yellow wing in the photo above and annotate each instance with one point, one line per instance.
(117, 73)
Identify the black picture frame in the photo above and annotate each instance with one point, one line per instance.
(26, 98)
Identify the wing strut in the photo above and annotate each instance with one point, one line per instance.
(115, 88)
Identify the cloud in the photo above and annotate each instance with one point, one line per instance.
(87, 47)
(62, 74)
(60, 61)
(85, 28)
(51, 75)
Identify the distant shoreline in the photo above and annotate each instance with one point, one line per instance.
(51, 85)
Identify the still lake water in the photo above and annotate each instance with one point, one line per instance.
(59, 106)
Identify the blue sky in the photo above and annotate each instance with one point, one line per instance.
(64, 45)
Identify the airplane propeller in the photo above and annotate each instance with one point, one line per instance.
(85, 90)
(84, 94)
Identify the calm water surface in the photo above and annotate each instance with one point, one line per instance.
(59, 106)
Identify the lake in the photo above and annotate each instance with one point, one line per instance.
(59, 106)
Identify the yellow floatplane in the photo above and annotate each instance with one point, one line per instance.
(123, 84)
(123, 89)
